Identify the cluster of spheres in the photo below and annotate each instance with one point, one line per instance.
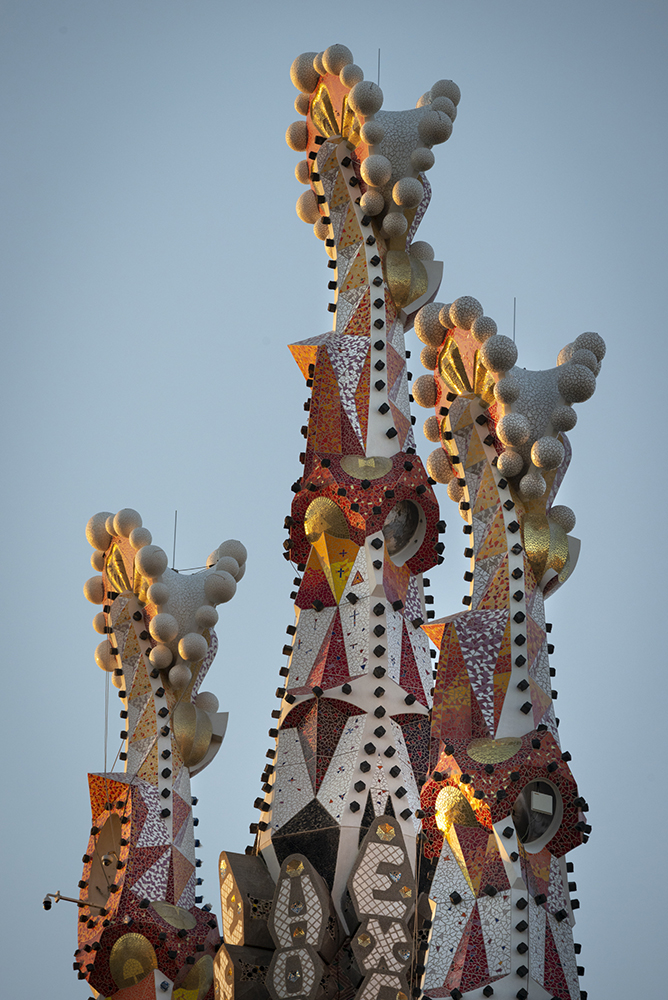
(185, 604)
(535, 407)
(400, 143)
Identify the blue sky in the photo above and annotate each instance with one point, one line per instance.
(153, 271)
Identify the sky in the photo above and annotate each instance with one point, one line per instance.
(153, 271)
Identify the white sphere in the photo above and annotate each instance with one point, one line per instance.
(212, 559)
(532, 486)
(94, 590)
(444, 317)
(193, 647)
(563, 516)
(432, 430)
(372, 133)
(423, 101)
(422, 159)
(242, 572)
(158, 593)
(446, 88)
(139, 537)
(507, 390)
(445, 105)
(126, 521)
(304, 77)
(233, 547)
(104, 658)
(591, 342)
(429, 357)
(513, 429)
(483, 328)
(376, 170)
(307, 207)
(408, 192)
(321, 230)
(510, 464)
(296, 136)
(422, 250)
(424, 391)
(564, 418)
(335, 57)
(394, 224)
(96, 531)
(438, 466)
(302, 102)
(207, 701)
(547, 453)
(565, 354)
(464, 311)
(427, 324)
(179, 676)
(434, 127)
(220, 588)
(366, 98)
(576, 383)
(318, 64)
(118, 680)
(498, 353)
(206, 616)
(97, 561)
(455, 491)
(372, 202)
(303, 172)
(228, 565)
(109, 525)
(350, 75)
(161, 657)
(151, 561)
(100, 622)
(581, 356)
(164, 627)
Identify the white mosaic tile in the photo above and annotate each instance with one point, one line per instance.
(311, 631)
(495, 918)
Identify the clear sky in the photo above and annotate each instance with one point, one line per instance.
(153, 271)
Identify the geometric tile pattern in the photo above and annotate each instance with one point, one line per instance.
(494, 745)
(353, 734)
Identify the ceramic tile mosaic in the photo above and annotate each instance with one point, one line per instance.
(362, 759)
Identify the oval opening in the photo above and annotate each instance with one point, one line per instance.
(537, 814)
(404, 531)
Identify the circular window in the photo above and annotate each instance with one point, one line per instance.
(537, 814)
(404, 531)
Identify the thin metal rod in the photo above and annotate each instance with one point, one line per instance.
(176, 514)
(379, 67)
(514, 316)
(106, 717)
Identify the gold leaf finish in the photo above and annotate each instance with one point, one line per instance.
(192, 732)
(452, 806)
(131, 959)
(175, 916)
(323, 515)
(545, 543)
(198, 981)
(406, 277)
(360, 467)
(486, 751)
(323, 114)
(115, 569)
